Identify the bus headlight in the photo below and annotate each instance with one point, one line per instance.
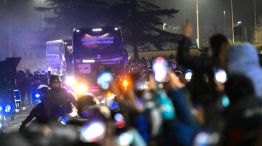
(81, 89)
(70, 81)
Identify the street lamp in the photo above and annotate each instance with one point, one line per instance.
(239, 29)
(164, 26)
(239, 22)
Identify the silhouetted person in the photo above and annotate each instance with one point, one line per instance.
(38, 112)
(58, 101)
(243, 117)
(22, 86)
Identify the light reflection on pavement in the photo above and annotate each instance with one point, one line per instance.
(13, 125)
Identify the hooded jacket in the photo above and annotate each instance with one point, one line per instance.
(243, 59)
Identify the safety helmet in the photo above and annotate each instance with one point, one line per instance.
(43, 89)
(54, 78)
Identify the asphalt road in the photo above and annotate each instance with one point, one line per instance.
(13, 125)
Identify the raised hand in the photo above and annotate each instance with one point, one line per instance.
(175, 82)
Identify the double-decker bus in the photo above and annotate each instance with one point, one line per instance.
(58, 53)
(55, 56)
(97, 48)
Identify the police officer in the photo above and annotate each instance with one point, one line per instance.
(58, 102)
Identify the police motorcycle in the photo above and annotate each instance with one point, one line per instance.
(8, 93)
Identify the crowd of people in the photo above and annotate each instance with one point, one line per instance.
(28, 82)
(204, 110)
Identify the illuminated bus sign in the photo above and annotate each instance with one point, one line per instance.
(88, 44)
(93, 41)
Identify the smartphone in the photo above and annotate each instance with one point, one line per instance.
(188, 75)
(119, 121)
(221, 76)
(125, 138)
(160, 69)
(94, 131)
(206, 139)
(141, 85)
(104, 80)
(120, 125)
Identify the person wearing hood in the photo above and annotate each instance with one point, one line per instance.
(242, 118)
(243, 59)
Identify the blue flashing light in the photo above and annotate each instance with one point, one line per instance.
(113, 105)
(64, 120)
(8, 108)
(37, 95)
(84, 113)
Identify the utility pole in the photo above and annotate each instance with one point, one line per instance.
(255, 15)
(43, 16)
(224, 12)
(246, 39)
(232, 21)
(8, 30)
(197, 19)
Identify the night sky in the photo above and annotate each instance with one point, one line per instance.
(29, 22)
(211, 14)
